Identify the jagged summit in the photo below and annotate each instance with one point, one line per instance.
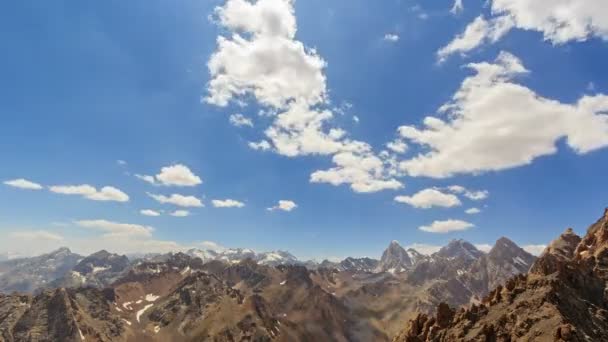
(459, 248)
(394, 259)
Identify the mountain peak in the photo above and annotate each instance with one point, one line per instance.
(394, 259)
(459, 248)
(61, 250)
(559, 251)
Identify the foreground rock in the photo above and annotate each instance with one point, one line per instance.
(562, 298)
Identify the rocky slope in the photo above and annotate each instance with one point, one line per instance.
(96, 270)
(29, 274)
(562, 298)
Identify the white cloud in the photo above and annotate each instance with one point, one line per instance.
(363, 170)
(178, 200)
(493, 124)
(484, 247)
(474, 195)
(146, 178)
(472, 211)
(428, 198)
(173, 175)
(443, 227)
(116, 229)
(212, 246)
(397, 146)
(391, 37)
(227, 203)
(36, 235)
(107, 193)
(424, 248)
(23, 184)
(476, 33)
(239, 120)
(284, 205)
(262, 145)
(114, 237)
(534, 249)
(178, 175)
(268, 61)
(457, 7)
(560, 22)
(180, 213)
(262, 59)
(121, 162)
(149, 212)
(477, 195)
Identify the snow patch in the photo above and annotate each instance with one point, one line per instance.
(127, 305)
(283, 282)
(140, 312)
(156, 329)
(185, 270)
(520, 261)
(81, 335)
(128, 322)
(100, 269)
(151, 298)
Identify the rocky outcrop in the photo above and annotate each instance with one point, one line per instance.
(59, 315)
(562, 298)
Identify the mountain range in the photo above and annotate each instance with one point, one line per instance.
(456, 294)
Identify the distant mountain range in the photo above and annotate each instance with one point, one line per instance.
(240, 295)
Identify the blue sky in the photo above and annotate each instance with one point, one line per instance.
(87, 84)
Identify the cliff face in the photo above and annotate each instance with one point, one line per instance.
(562, 298)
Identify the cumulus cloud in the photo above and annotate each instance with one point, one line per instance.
(560, 22)
(261, 145)
(391, 37)
(107, 193)
(446, 226)
(474, 195)
(284, 205)
(493, 125)
(180, 213)
(227, 203)
(173, 175)
(472, 211)
(476, 33)
(149, 212)
(116, 229)
(363, 170)
(534, 249)
(428, 198)
(178, 200)
(36, 235)
(262, 59)
(397, 146)
(23, 184)
(239, 120)
(178, 175)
